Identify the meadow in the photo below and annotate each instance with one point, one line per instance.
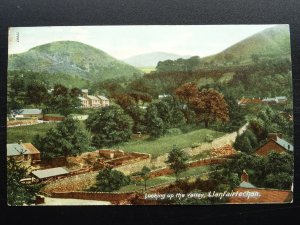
(27, 133)
(164, 144)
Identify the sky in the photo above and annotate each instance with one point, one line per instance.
(123, 42)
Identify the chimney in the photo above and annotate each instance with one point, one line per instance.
(84, 92)
(274, 136)
(20, 142)
(245, 176)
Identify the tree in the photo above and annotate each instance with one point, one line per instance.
(186, 93)
(210, 106)
(36, 93)
(164, 112)
(145, 174)
(109, 180)
(154, 124)
(17, 192)
(109, 126)
(66, 139)
(62, 100)
(246, 141)
(177, 161)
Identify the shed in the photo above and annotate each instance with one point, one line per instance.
(49, 173)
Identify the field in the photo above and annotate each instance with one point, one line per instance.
(164, 144)
(27, 133)
(147, 69)
(168, 179)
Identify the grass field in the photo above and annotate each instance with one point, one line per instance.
(164, 144)
(168, 179)
(26, 133)
(147, 69)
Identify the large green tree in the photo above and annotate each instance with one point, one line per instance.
(177, 161)
(154, 124)
(17, 192)
(109, 180)
(36, 93)
(66, 139)
(109, 126)
(62, 100)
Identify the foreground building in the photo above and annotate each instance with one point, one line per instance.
(25, 152)
(275, 143)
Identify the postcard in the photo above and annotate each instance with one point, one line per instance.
(149, 115)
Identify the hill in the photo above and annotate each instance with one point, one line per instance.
(151, 59)
(71, 58)
(273, 42)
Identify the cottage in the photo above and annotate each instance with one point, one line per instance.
(163, 96)
(275, 100)
(84, 102)
(103, 100)
(258, 195)
(246, 101)
(276, 144)
(23, 152)
(45, 174)
(23, 113)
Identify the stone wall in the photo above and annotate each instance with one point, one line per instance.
(100, 196)
(134, 167)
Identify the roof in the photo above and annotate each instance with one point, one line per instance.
(283, 143)
(31, 148)
(249, 100)
(82, 99)
(85, 90)
(92, 97)
(245, 184)
(281, 98)
(265, 195)
(52, 172)
(29, 111)
(102, 97)
(16, 149)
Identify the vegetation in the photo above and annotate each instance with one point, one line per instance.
(17, 192)
(177, 161)
(273, 171)
(109, 126)
(71, 58)
(66, 139)
(27, 133)
(109, 180)
(163, 144)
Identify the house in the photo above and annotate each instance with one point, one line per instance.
(275, 100)
(103, 100)
(23, 113)
(94, 102)
(45, 174)
(91, 101)
(275, 143)
(84, 102)
(163, 96)
(23, 152)
(259, 195)
(245, 101)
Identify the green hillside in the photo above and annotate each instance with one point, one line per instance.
(273, 42)
(71, 58)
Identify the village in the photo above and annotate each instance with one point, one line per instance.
(69, 180)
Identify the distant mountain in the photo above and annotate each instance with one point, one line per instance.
(71, 58)
(151, 59)
(272, 42)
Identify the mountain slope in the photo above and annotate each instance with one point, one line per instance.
(272, 42)
(71, 58)
(151, 59)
